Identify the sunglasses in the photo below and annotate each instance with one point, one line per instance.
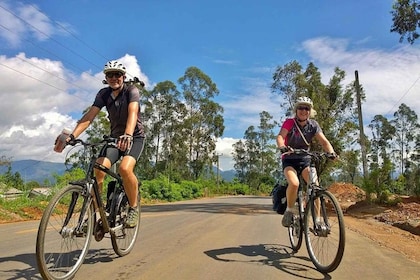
(113, 74)
(304, 108)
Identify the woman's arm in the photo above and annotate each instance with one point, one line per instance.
(281, 137)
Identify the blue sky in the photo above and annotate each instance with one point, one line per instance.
(52, 54)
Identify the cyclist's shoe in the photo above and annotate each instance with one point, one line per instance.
(287, 219)
(132, 217)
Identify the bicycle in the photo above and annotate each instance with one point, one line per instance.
(71, 219)
(325, 237)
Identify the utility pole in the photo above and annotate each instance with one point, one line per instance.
(362, 138)
(217, 178)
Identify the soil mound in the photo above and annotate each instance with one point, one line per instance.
(347, 194)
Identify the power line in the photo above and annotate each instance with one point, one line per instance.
(406, 92)
(74, 36)
(46, 35)
(69, 32)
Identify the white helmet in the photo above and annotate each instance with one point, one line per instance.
(114, 65)
(303, 100)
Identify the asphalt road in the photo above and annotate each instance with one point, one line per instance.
(220, 238)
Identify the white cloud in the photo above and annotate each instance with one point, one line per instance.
(224, 150)
(389, 78)
(19, 21)
(39, 98)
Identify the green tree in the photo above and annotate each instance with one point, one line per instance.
(255, 155)
(406, 130)
(379, 180)
(204, 121)
(12, 180)
(241, 161)
(164, 113)
(406, 19)
(286, 83)
(349, 165)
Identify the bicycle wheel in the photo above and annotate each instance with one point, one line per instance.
(123, 238)
(62, 242)
(295, 231)
(325, 239)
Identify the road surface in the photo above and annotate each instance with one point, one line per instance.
(206, 239)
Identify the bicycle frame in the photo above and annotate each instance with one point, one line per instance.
(92, 192)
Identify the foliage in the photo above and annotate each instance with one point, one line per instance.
(161, 189)
(255, 156)
(406, 19)
(10, 179)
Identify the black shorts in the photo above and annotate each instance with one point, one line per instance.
(297, 163)
(113, 154)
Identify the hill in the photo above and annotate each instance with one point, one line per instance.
(35, 170)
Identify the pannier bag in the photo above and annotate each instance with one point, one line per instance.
(279, 198)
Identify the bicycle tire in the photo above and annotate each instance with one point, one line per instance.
(325, 243)
(295, 230)
(60, 250)
(123, 239)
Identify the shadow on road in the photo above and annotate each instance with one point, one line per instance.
(213, 207)
(278, 256)
(31, 272)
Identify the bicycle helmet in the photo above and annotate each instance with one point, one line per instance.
(303, 100)
(114, 65)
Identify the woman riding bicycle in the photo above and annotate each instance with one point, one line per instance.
(122, 104)
(298, 133)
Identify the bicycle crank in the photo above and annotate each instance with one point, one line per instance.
(98, 231)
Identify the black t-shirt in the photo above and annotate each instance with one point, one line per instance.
(118, 109)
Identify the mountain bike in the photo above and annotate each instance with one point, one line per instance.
(319, 218)
(76, 213)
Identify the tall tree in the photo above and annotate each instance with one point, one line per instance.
(286, 83)
(241, 161)
(204, 121)
(255, 155)
(406, 19)
(406, 129)
(379, 179)
(162, 112)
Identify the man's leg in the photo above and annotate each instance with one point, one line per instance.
(130, 183)
(129, 179)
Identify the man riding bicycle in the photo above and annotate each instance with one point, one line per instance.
(298, 133)
(122, 103)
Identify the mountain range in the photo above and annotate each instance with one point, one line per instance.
(41, 171)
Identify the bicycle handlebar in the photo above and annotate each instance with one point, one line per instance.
(311, 154)
(106, 139)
